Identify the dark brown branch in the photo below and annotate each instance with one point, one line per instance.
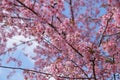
(59, 19)
(33, 4)
(74, 78)
(74, 49)
(23, 69)
(80, 68)
(105, 30)
(52, 26)
(93, 68)
(72, 12)
(53, 45)
(27, 7)
(23, 18)
(112, 34)
(114, 76)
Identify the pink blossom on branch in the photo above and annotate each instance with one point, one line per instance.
(74, 46)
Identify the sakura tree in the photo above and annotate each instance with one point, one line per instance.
(76, 39)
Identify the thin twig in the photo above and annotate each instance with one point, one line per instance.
(112, 34)
(80, 68)
(105, 30)
(23, 18)
(30, 70)
(28, 7)
(23, 69)
(72, 12)
(22, 42)
(93, 67)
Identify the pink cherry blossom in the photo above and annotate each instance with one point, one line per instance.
(72, 39)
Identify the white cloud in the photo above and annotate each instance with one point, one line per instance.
(52, 78)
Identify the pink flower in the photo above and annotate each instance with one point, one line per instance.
(117, 18)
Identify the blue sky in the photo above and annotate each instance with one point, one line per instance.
(19, 54)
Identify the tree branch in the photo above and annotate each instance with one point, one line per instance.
(27, 7)
(105, 30)
(72, 13)
(64, 77)
(114, 76)
(93, 67)
(52, 26)
(23, 18)
(23, 69)
(74, 49)
(80, 68)
(112, 34)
